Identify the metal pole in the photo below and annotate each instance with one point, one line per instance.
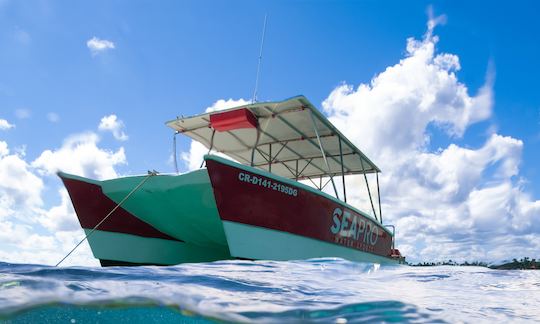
(255, 146)
(174, 152)
(270, 156)
(342, 169)
(379, 195)
(369, 191)
(323, 153)
(296, 171)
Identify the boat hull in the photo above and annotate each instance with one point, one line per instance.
(259, 243)
(128, 239)
(181, 206)
(113, 248)
(269, 217)
(226, 211)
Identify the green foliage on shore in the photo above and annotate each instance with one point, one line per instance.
(521, 264)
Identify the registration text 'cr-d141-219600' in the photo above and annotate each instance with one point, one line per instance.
(267, 183)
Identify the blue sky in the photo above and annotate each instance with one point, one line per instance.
(171, 58)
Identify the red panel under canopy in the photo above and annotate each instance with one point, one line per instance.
(235, 119)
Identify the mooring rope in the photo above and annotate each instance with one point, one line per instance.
(150, 174)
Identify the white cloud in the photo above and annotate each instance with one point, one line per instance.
(80, 155)
(114, 125)
(97, 45)
(53, 117)
(21, 36)
(21, 244)
(454, 202)
(32, 232)
(22, 113)
(4, 150)
(5, 125)
(226, 104)
(61, 217)
(194, 157)
(19, 186)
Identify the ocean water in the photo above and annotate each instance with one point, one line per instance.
(317, 290)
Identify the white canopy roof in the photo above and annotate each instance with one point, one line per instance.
(287, 145)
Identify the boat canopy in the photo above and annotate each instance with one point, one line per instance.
(290, 138)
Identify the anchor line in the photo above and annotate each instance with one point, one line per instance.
(143, 181)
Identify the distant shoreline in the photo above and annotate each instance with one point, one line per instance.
(521, 264)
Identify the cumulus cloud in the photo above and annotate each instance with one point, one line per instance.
(5, 125)
(21, 244)
(61, 217)
(53, 117)
(4, 150)
(194, 157)
(22, 113)
(80, 155)
(454, 202)
(32, 231)
(97, 45)
(19, 186)
(225, 104)
(114, 125)
(31, 228)
(21, 36)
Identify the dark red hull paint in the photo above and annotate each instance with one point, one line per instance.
(306, 214)
(91, 206)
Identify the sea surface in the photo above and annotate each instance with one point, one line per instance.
(317, 290)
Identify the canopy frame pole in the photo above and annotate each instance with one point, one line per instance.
(323, 152)
(312, 182)
(281, 149)
(325, 184)
(288, 168)
(304, 136)
(367, 185)
(174, 152)
(342, 169)
(296, 171)
(211, 146)
(255, 146)
(288, 148)
(305, 166)
(379, 195)
(264, 155)
(270, 155)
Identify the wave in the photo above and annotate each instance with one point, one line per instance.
(316, 290)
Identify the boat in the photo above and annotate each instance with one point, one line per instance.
(259, 195)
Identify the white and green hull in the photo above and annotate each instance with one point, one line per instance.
(211, 214)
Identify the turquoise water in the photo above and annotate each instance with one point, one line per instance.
(319, 291)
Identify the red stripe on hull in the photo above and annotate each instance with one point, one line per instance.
(252, 199)
(91, 206)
